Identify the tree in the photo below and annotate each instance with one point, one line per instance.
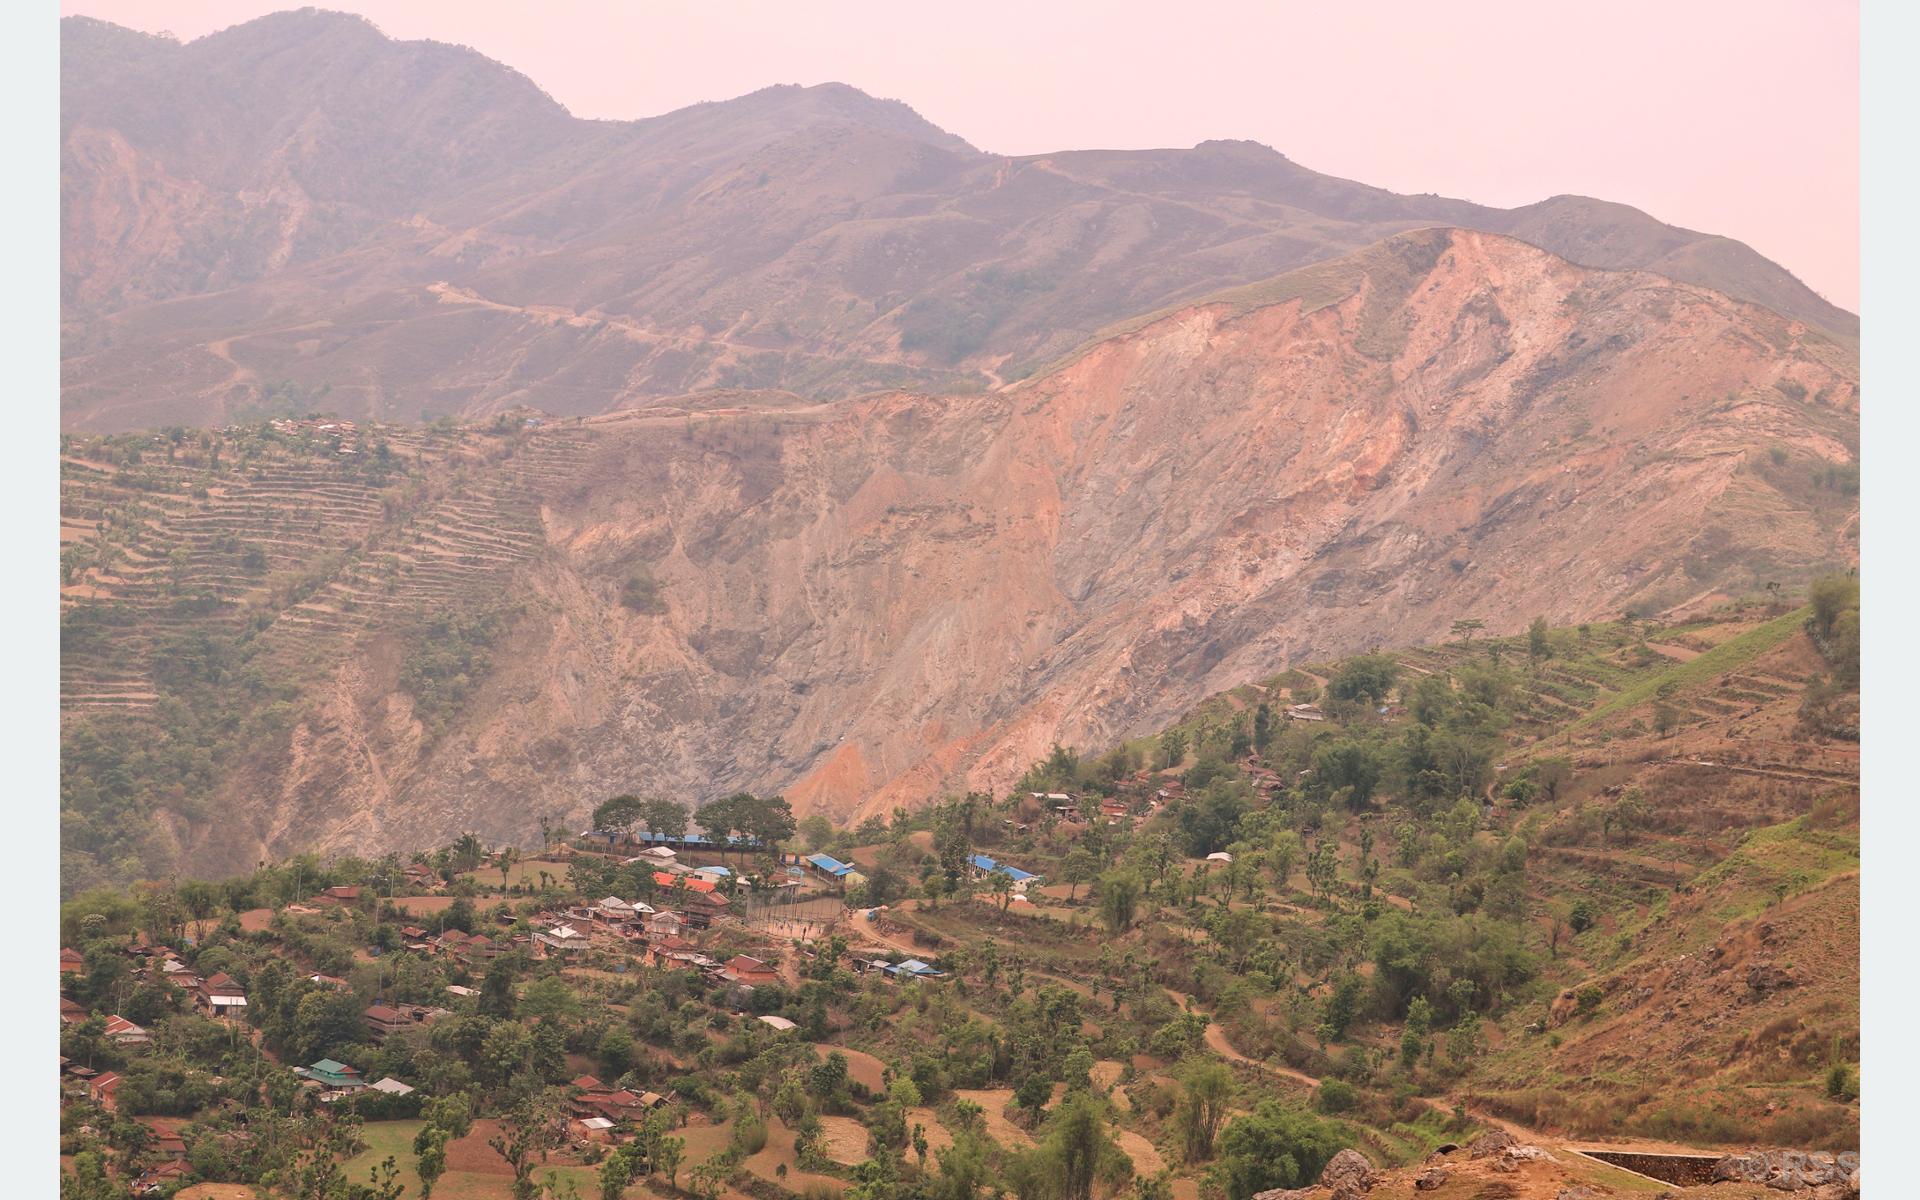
(615, 1174)
(1282, 853)
(521, 1141)
(1119, 900)
(1367, 677)
(1466, 627)
(1665, 718)
(1205, 1091)
(1413, 1036)
(1830, 596)
(667, 1155)
(1078, 1152)
(496, 992)
(1076, 868)
(1539, 649)
(770, 822)
(1274, 1147)
(1263, 727)
(1001, 884)
(619, 814)
(1173, 747)
(665, 818)
(721, 818)
(202, 900)
(467, 852)
(707, 1179)
(431, 1158)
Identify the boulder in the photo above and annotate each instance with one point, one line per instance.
(1349, 1170)
(1430, 1179)
(1489, 1144)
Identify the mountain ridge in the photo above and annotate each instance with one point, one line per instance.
(812, 239)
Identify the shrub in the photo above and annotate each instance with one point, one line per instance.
(1842, 1084)
(642, 594)
(1335, 1096)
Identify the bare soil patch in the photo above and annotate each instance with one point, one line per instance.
(1001, 1130)
(843, 1139)
(863, 1068)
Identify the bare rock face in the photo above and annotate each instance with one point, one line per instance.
(1765, 978)
(874, 602)
(1791, 1170)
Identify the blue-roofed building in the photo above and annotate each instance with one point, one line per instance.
(912, 968)
(829, 866)
(983, 866)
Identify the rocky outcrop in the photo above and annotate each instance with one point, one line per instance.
(1792, 1170)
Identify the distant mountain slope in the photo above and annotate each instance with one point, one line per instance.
(300, 203)
(875, 600)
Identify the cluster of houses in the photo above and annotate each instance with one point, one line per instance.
(600, 1112)
(215, 995)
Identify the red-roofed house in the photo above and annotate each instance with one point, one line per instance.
(126, 1033)
(220, 995)
(742, 968)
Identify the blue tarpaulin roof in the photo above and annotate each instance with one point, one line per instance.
(983, 863)
(829, 864)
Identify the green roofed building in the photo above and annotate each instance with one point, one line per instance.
(330, 1074)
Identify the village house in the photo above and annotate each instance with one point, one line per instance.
(71, 962)
(332, 1078)
(663, 924)
(778, 1023)
(391, 1086)
(561, 939)
(126, 1033)
(336, 896)
(1305, 712)
(221, 996)
(591, 1129)
(753, 972)
(103, 1090)
(611, 1104)
(912, 968)
(384, 1020)
(160, 1179)
(71, 1013)
(828, 867)
(422, 876)
(984, 866)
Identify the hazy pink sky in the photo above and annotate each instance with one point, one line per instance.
(1739, 117)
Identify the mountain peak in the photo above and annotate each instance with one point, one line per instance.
(842, 103)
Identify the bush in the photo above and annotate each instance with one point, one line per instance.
(1842, 1084)
(642, 594)
(1335, 1096)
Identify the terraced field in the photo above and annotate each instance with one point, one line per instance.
(300, 538)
